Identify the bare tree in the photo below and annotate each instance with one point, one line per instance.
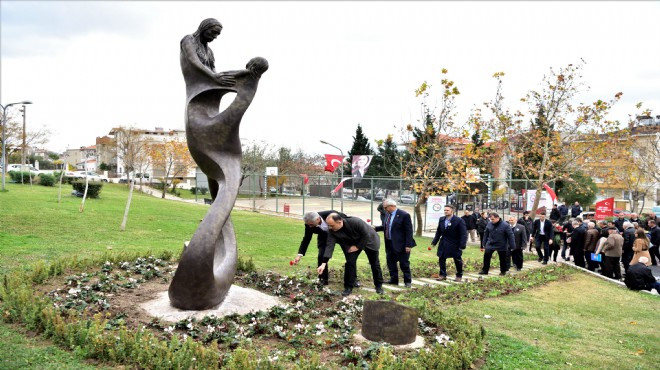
(132, 148)
(562, 137)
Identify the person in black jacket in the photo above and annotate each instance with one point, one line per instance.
(555, 215)
(521, 238)
(470, 225)
(578, 237)
(499, 237)
(542, 234)
(628, 241)
(452, 236)
(527, 221)
(398, 235)
(640, 277)
(618, 223)
(654, 250)
(353, 235)
(315, 224)
(482, 222)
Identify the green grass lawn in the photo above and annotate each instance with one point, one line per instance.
(580, 323)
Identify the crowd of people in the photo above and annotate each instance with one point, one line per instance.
(617, 248)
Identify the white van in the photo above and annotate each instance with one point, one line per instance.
(17, 168)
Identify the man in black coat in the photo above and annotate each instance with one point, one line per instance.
(640, 277)
(654, 250)
(578, 237)
(527, 221)
(555, 215)
(618, 223)
(576, 209)
(542, 234)
(628, 241)
(499, 237)
(354, 236)
(398, 232)
(452, 235)
(471, 225)
(315, 224)
(521, 238)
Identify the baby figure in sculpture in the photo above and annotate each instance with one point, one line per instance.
(208, 264)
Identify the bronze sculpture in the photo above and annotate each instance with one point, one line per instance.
(208, 264)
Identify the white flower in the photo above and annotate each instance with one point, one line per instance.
(210, 328)
(278, 328)
(169, 329)
(487, 316)
(356, 350)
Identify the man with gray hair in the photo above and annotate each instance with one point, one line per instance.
(315, 224)
(628, 241)
(398, 231)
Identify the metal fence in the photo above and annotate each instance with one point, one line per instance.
(291, 196)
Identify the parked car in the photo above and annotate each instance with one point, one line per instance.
(618, 211)
(91, 175)
(17, 168)
(408, 199)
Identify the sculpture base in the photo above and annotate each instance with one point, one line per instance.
(418, 343)
(239, 300)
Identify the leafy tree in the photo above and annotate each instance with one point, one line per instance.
(429, 162)
(564, 135)
(172, 158)
(577, 187)
(34, 137)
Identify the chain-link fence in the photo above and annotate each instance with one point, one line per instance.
(294, 195)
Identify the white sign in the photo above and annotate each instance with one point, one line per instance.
(271, 171)
(546, 200)
(435, 208)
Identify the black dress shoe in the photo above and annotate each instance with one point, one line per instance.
(347, 292)
(482, 272)
(379, 290)
(392, 282)
(544, 262)
(357, 284)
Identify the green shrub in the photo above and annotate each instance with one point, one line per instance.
(93, 190)
(16, 177)
(196, 190)
(46, 179)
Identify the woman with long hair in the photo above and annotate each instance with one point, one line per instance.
(641, 247)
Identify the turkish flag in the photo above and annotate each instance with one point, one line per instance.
(332, 161)
(604, 209)
(552, 194)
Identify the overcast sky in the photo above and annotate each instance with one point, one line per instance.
(90, 66)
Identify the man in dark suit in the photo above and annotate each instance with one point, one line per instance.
(520, 236)
(354, 236)
(315, 224)
(542, 233)
(399, 241)
(498, 237)
(578, 240)
(452, 235)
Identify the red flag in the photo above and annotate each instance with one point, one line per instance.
(341, 184)
(332, 161)
(305, 178)
(551, 192)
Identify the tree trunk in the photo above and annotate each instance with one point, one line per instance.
(537, 200)
(82, 205)
(59, 194)
(418, 216)
(128, 206)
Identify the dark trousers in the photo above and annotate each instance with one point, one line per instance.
(543, 247)
(402, 258)
(611, 267)
(591, 265)
(579, 257)
(350, 268)
(554, 251)
(517, 257)
(504, 260)
(564, 246)
(626, 257)
(458, 261)
(481, 238)
(325, 275)
(654, 251)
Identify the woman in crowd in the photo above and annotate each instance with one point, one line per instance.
(641, 247)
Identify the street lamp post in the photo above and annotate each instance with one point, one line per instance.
(341, 191)
(4, 139)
